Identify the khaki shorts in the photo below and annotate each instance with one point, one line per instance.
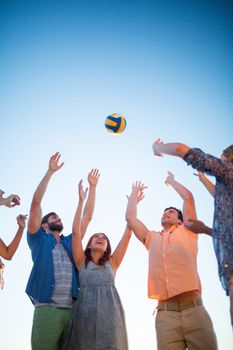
(189, 328)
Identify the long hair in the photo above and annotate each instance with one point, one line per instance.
(103, 258)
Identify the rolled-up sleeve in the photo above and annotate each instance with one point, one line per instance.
(221, 169)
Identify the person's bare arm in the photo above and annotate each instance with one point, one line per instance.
(77, 248)
(93, 178)
(35, 210)
(7, 251)
(198, 226)
(122, 246)
(189, 209)
(139, 229)
(207, 183)
(172, 149)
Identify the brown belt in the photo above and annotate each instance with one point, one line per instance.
(178, 306)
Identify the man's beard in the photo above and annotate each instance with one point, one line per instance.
(55, 227)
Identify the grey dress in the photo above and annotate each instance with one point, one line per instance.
(97, 321)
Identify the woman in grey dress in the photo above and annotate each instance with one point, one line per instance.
(98, 321)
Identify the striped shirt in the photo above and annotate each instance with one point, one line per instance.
(63, 277)
(62, 295)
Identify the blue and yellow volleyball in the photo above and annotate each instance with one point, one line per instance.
(115, 123)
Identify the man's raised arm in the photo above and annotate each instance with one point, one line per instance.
(139, 229)
(35, 210)
(189, 209)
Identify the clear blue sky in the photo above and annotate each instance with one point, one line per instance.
(64, 66)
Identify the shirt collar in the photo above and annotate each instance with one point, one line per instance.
(170, 230)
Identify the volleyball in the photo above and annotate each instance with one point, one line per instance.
(115, 123)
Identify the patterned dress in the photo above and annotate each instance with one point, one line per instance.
(98, 321)
(222, 231)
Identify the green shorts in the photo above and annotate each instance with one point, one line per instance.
(49, 328)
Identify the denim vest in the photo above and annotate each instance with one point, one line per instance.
(41, 280)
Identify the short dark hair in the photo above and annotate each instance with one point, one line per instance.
(180, 215)
(45, 218)
(228, 153)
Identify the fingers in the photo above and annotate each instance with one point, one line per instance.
(22, 217)
(61, 165)
(154, 147)
(95, 173)
(139, 185)
(21, 220)
(158, 154)
(81, 192)
(93, 177)
(55, 156)
(141, 195)
(169, 178)
(54, 160)
(16, 199)
(12, 200)
(10, 205)
(157, 141)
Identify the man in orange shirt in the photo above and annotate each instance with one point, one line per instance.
(181, 322)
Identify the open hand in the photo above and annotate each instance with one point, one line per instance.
(138, 186)
(140, 196)
(21, 220)
(170, 178)
(10, 201)
(93, 177)
(81, 192)
(155, 147)
(53, 162)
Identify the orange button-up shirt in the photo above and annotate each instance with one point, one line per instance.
(172, 262)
